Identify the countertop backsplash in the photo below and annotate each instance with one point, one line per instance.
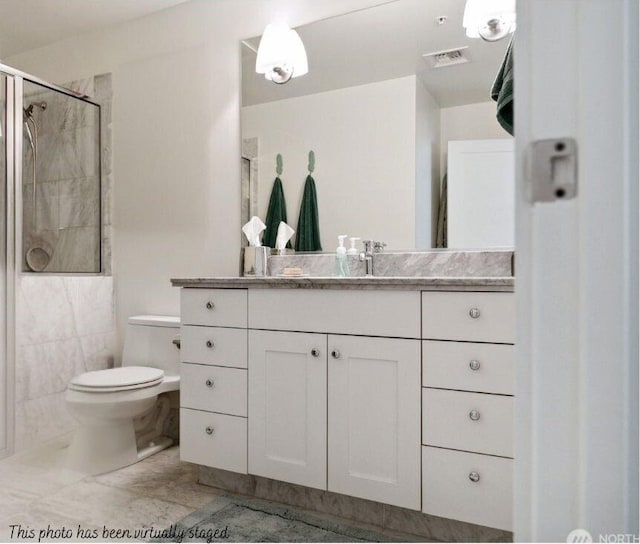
(454, 263)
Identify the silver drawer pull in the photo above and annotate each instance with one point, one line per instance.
(210, 305)
(474, 365)
(474, 415)
(210, 344)
(335, 354)
(209, 430)
(209, 382)
(474, 313)
(474, 476)
(315, 352)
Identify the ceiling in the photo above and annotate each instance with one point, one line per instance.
(385, 42)
(29, 24)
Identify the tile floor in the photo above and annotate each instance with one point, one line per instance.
(38, 493)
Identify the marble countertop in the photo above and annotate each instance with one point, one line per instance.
(434, 283)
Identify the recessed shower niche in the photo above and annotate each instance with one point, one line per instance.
(61, 185)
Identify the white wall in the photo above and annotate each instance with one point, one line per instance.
(364, 141)
(468, 122)
(427, 167)
(176, 77)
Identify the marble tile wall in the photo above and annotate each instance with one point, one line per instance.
(65, 325)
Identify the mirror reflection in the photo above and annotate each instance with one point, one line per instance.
(396, 99)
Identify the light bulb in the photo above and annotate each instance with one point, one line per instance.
(281, 54)
(490, 20)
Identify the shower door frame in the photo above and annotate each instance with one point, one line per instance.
(8, 289)
(20, 77)
(14, 86)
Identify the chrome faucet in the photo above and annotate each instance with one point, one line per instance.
(370, 248)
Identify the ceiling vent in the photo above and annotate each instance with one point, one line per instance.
(450, 57)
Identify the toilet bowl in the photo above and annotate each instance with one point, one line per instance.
(120, 412)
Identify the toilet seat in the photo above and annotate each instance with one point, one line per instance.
(117, 379)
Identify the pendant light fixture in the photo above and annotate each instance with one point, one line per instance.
(281, 54)
(490, 20)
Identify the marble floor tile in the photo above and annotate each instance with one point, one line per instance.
(17, 528)
(38, 491)
(94, 504)
(162, 476)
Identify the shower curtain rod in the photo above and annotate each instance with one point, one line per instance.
(9, 70)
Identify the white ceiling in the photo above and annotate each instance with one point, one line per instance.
(385, 42)
(29, 24)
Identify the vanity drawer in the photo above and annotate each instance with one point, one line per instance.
(450, 316)
(467, 487)
(213, 440)
(214, 388)
(447, 421)
(213, 346)
(468, 366)
(216, 307)
(370, 313)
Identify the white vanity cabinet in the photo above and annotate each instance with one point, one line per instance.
(397, 396)
(213, 376)
(373, 420)
(330, 411)
(288, 407)
(467, 406)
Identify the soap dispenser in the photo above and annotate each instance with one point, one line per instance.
(341, 269)
(353, 250)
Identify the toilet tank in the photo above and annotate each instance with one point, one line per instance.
(149, 342)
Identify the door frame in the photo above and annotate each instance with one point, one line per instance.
(576, 426)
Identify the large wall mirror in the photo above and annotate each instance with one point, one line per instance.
(386, 120)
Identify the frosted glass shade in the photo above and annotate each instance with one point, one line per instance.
(281, 54)
(478, 13)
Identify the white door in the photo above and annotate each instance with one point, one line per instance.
(576, 450)
(374, 419)
(288, 407)
(480, 193)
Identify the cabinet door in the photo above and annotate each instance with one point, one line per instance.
(374, 419)
(288, 407)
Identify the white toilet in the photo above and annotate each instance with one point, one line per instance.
(118, 411)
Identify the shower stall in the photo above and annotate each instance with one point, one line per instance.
(51, 225)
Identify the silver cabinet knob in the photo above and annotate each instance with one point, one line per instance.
(315, 352)
(209, 430)
(474, 313)
(474, 476)
(474, 415)
(474, 365)
(209, 382)
(335, 354)
(210, 305)
(209, 344)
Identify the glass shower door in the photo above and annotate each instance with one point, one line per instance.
(61, 189)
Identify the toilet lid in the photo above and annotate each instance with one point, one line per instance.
(117, 379)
